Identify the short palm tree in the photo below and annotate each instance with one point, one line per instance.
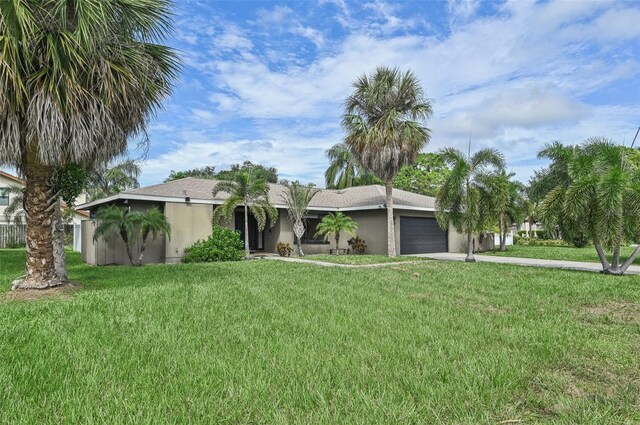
(131, 226)
(458, 201)
(333, 224)
(504, 201)
(599, 195)
(250, 191)
(78, 79)
(344, 169)
(297, 198)
(384, 121)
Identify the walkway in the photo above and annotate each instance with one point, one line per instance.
(328, 264)
(531, 262)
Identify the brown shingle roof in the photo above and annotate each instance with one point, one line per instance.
(353, 197)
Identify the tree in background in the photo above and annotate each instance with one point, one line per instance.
(250, 191)
(333, 224)
(344, 169)
(459, 199)
(425, 176)
(207, 172)
(131, 227)
(78, 80)
(503, 201)
(297, 198)
(384, 121)
(110, 179)
(595, 189)
(259, 172)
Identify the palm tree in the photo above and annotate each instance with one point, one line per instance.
(109, 179)
(76, 84)
(504, 202)
(130, 226)
(599, 195)
(383, 120)
(458, 201)
(333, 224)
(344, 169)
(250, 191)
(297, 198)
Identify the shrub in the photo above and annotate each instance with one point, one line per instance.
(224, 244)
(580, 241)
(540, 242)
(357, 245)
(284, 249)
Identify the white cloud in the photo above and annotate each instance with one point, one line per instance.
(462, 10)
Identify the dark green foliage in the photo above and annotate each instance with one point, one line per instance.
(224, 244)
(70, 181)
(284, 249)
(357, 245)
(580, 240)
(208, 172)
(425, 176)
(260, 172)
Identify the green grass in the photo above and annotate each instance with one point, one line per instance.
(360, 259)
(277, 342)
(587, 254)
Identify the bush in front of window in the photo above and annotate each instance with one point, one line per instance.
(224, 244)
(284, 249)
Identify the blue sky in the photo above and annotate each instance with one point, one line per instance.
(264, 81)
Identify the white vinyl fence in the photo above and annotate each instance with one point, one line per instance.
(12, 235)
(496, 238)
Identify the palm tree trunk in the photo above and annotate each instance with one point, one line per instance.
(337, 241)
(247, 249)
(630, 260)
(603, 258)
(503, 234)
(41, 272)
(59, 255)
(127, 246)
(391, 232)
(470, 258)
(142, 249)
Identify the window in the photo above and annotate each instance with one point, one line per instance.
(4, 196)
(310, 231)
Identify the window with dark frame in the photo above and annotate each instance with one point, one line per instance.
(4, 196)
(310, 231)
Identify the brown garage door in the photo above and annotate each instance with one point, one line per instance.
(420, 235)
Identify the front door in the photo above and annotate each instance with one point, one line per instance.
(255, 236)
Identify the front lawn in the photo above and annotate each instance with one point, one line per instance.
(570, 253)
(359, 259)
(280, 342)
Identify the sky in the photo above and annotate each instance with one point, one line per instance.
(265, 81)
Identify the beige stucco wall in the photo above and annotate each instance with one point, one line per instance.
(189, 223)
(111, 250)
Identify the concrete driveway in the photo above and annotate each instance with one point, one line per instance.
(530, 262)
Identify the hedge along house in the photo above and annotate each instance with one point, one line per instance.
(188, 205)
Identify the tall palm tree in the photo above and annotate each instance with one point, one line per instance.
(504, 201)
(130, 227)
(384, 121)
(344, 169)
(77, 80)
(250, 191)
(109, 179)
(297, 198)
(599, 195)
(333, 224)
(458, 201)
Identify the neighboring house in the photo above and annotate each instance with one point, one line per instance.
(9, 232)
(188, 205)
(7, 180)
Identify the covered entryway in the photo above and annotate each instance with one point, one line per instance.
(422, 235)
(256, 237)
